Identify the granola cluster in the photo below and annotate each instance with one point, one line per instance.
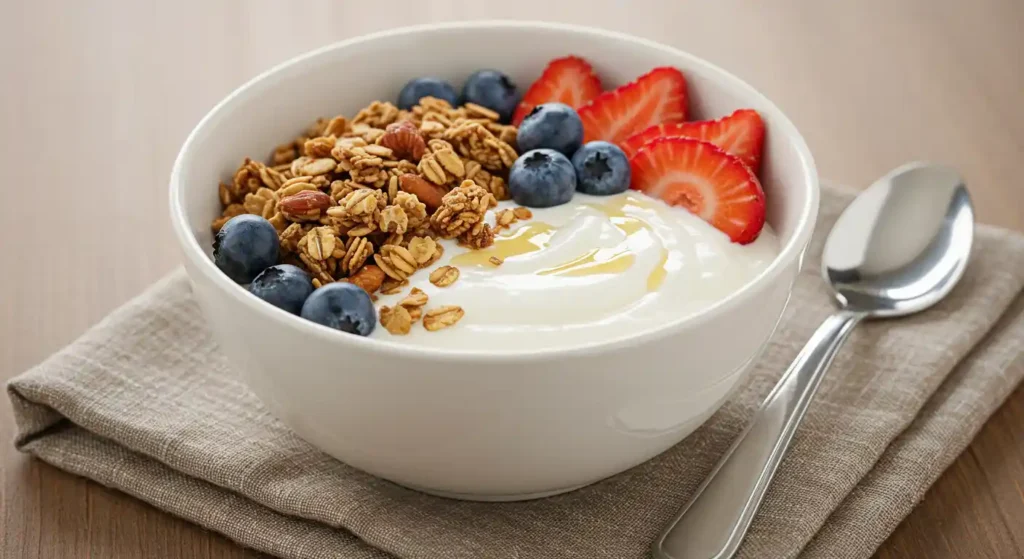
(365, 200)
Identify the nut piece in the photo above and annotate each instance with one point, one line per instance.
(307, 205)
(415, 298)
(405, 140)
(442, 317)
(369, 277)
(496, 260)
(396, 320)
(427, 193)
(444, 276)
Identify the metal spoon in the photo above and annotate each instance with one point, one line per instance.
(897, 249)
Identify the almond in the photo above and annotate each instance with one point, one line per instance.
(429, 194)
(304, 201)
(369, 277)
(405, 140)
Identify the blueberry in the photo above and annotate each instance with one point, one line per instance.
(342, 306)
(601, 168)
(418, 88)
(245, 246)
(494, 90)
(551, 125)
(284, 286)
(542, 178)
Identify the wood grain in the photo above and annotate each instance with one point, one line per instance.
(96, 98)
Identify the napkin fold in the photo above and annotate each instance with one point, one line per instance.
(145, 403)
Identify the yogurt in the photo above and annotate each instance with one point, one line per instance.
(589, 271)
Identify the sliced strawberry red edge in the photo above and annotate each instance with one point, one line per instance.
(570, 80)
(656, 97)
(710, 183)
(740, 133)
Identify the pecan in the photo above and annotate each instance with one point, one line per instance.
(306, 205)
(431, 195)
(369, 277)
(405, 140)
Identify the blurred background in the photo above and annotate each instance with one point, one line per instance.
(96, 97)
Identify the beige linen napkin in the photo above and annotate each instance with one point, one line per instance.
(145, 403)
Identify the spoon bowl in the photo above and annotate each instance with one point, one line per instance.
(898, 248)
(902, 244)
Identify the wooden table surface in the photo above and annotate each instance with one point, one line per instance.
(96, 97)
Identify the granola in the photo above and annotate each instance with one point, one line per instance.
(461, 209)
(365, 199)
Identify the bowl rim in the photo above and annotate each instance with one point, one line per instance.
(792, 250)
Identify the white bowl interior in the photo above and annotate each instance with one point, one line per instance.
(343, 78)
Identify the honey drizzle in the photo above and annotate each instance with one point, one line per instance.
(596, 261)
(536, 235)
(530, 237)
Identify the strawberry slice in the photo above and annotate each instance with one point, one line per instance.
(716, 186)
(570, 80)
(740, 134)
(656, 97)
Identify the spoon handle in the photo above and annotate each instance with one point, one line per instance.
(716, 519)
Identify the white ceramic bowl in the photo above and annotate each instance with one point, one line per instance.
(482, 425)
